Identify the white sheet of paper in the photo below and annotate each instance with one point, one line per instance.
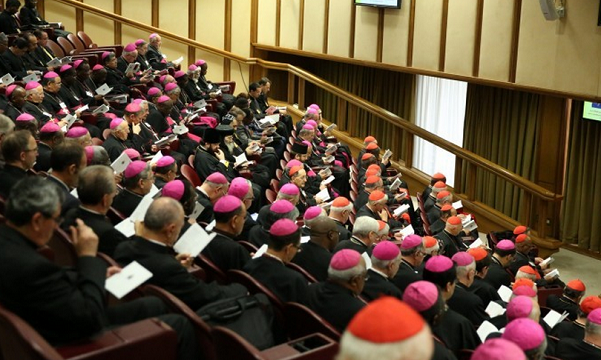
(103, 89)
(156, 157)
(130, 277)
(66, 60)
(485, 329)
(120, 163)
(74, 193)
(331, 127)
(240, 159)
(131, 68)
(193, 241)
(273, 118)
(260, 252)
(178, 60)
(70, 119)
(553, 318)
(408, 230)
(82, 109)
(553, 273)
(466, 219)
(200, 104)
(140, 211)
(56, 62)
(395, 184)
(470, 226)
(126, 227)
(493, 309)
(153, 191)
(457, 205)
(180, 129)
(329, 180)
(211, 225)
(7, 80)
(305, 239)
(476, 243)
(505, 293)
(101, 109)
(547, 261)
(323, 195)
(254, 216)
(387, 155)
(198, 209)
(30, 78)
(367, 259)
(401, 209)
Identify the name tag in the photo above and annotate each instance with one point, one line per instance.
(62, 105)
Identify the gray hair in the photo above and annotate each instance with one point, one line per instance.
(94, 183)
(346, 275)
(133, 181)
(30, 196)
(176, 89)
(364, 225)
(592, 328)
(383, 264)
(6, 124)
(338, 210)
(100, 156)
(463, 270)
(162, 212)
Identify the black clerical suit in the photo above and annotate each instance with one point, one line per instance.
(286, 284)
(15, 63)
(206, 163)
(484, 290)
(468, 304)
(335, 303)
(9, 176)
(568, 329)
(496, 275)
(206, 215)
(452, 243)
(561, 304)
(70, 201)
(315, 259)
(114, 147)
(30, 16)
(572, 349)
(169, 274)
(8, 23)
(343, 232)
(226, 253)
(456, 332)
(354, 244)
(377, 285)
(406, 275)
(155, 57)
(258, 236)
(126, 202)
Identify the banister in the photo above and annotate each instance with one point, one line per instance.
(472, 158)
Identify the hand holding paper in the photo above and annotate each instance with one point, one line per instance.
(130, 277)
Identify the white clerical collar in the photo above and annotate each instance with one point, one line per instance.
(379, 272)
(157, 242)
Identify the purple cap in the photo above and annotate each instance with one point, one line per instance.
(170, 86)
(105, 54)
(50, 127)
(312, 123)
(411, 241)
(462, 258)
(200, 62)
(421, 295)
(10, 89)
(115, 122)
(525, 333)
(165, 161)
(439, 263)
(133, 154)
(77, 131)
(163, 99)
(217, 178)
(32, 85)
(290, 189)
(313, 106)
(312, 212)
(139, 42)
(226, 204)
(595, 316)
(65, 68)
(130, 47)
(307, 143)
(97, 67)
(308, 127)
(281, 206)
(50, 75)
(505, 245)
(162, 78)
(76, 63)
(25, 117)
(239, 188)
(153, 91)
(178, 74)
(386, 250)
(133, 108)
(89, 150)
(293, 163)
(192, 67)
(345, 259)
(134, 168)
(283, 227)
(312, 111)
(519, 307)
(498, 349)
(524, 291)
(152, 36)
(173, 189)
(136, 102)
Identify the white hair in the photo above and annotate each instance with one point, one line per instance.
(523, 275)
(463, 270)
(364, 225)
(309, 222)
(346, 275)
(418, 347)
(383, 264)
(335, 209)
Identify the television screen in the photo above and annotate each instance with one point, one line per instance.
(395, 4)
(592, 111)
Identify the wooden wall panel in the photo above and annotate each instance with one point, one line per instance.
(496, 39)
(99, 29)
(366, 33)
(339, 37)
(175, 24)
(133, 10)
(266, 24)
(289, 23)
(240, 74)
(241, 27)
(396, 32)
(426, 43)
(55, 11)
(461, 35)
(313, 25)
(210, 15)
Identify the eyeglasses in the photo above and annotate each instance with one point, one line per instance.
(298, 248)
(58, 219)
(28, 150)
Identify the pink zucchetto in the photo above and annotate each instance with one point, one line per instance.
(290, 189)
(283, 227)
(217, 178)
(89, 150)
(314, 106)
(115, 122)
(50, 75)
(173, 189)
(312, 111)
(97, 67)
(281, 206)
(76, 63)
(524, 291)
(227, 204)
(133, 154)
(192, 67)
(505, 245)
(525, 333)
(498, 349)
(163, 99)
(32, 85)
(76, 132)
(10, 89)
(595, 316)
(105, 54)
(139, 42)
(345, 259)
(308, 127)
(133, 108)
(50, 127)
(292, 163)
(313, 123)
(25, 117)
(178, 74)
(134, 168)
(153, 91)
(165, 161)
(200, 62)
(312, 212)
(439, 263)
(421, 295)
(239, 187)
(137, 102)
(131, 47)
(519, 307)
(385, 251)
(411, 241)
(170, 86)
(462, 258)
(65, 68)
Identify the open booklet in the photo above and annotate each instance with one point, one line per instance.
(7, 80)
(103, 89)
(387, 155)
(485, 329)
(193, 241)
(120, 164)
(133, 67)
(101, 109)
(395, 185)
(130, 277)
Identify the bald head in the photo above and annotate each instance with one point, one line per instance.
(324, 232)
(163, 212)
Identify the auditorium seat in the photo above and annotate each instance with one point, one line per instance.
(544, 292)
(302, 321)
(85, 39)
(66, 45)
(270, 195)
(278, 174)
(64, 250)
(115, 216)
(310, 278)
(254, 287)
(274, 184)
(148, 339)
(190, 174)
(191, 160)
(248, 246)
(56, 49)
(231, 84)
(233, 346)
(213, 273)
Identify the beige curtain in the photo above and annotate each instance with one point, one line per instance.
(581, 213)
(501, 126)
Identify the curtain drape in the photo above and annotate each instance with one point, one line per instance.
(501, 126)
(440, 109)
(581, 212)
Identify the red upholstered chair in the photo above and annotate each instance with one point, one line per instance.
(544, 292)
(190, 174)
(302, 321)
(211, 270)
(254, 286)
(68, 48)
(248, 246)
(232, 346)
(223, 84)
(191, 160)
(85, 39)
(56, 49)
(64, 250)
(310, 278)
(76, 42)
(274, 184)
(115, 216)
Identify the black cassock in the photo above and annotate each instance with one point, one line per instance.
(496, 275)
(353, 244)
(571, 349)
(42, 162)
(441, 352)
(315, 259)
(485, 291)
(336, 304)
(561, 304)
(452, 244)
(468, 304)
(126, 202)
(287, 284)
(226, 253)
(378, 285)
(572, 330)
(456, 332)
(406, 275)
(205, 164)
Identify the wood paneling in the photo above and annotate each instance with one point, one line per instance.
(460, 41)
(117, 26)
(99, 29)
(175, 24)
(205, 33)
(339, 31)
(496, 39)
(366, 33)
(443, 34)
(478, 38)
(289, 24)
(426, 45)
(266, 22)
(380, 41)
(313, 25)
(58, 12)
(396, 35)
(515, 39)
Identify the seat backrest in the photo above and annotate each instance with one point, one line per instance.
(248, 246)
(254, 286)
(302, 321)
(56, 49)
(77, 43)
(85, 39)
(270, 195)
(191, 160)
(68, 48)
(190, 174)
(20, 341)
(544, 292)
(233, 346)
(64, 250)
(310, 278)
(278, 174)
(274, 184)
(212, 271)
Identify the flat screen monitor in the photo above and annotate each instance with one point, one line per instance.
(592, 111)
(393, 4)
